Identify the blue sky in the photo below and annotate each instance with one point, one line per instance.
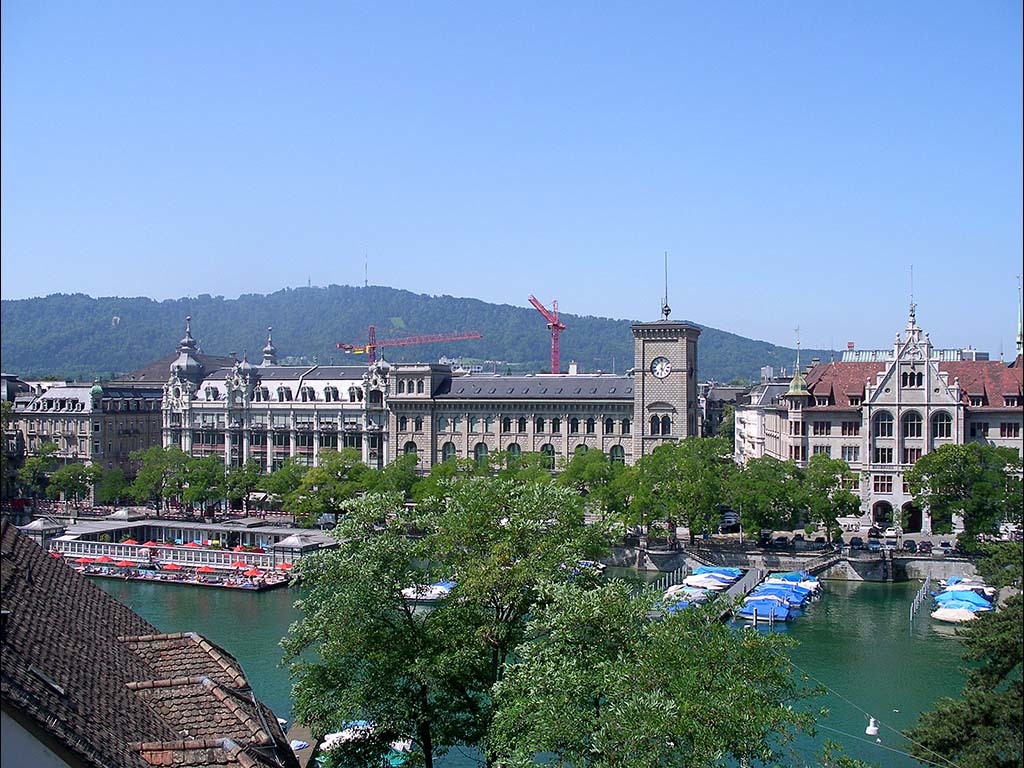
(794, 159)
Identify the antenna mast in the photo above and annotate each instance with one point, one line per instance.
(665, 309)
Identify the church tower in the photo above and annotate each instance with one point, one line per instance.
(665, 381)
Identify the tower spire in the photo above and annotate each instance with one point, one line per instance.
(1020, 321)
(798, 384)
(665, 309)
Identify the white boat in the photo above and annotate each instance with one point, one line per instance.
(813, 585)
(708, 581)
(429, 593)
(977, 587)
(683, 592)
(953, 615)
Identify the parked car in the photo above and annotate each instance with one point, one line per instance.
(874, 545)
(924, 547)
(874, 533)
(856, 543)
(819, 542)
(910, 546)
(897, 531)
(780, 541)
(945, 547)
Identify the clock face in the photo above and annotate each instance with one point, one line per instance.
(661, 367)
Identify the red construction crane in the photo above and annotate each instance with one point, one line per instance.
(370, 348)
(554, 326)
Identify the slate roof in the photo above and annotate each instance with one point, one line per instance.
(96, 679)
(296, 372)
(159, 371)
(544, 387)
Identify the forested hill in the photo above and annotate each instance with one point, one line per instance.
(79, 336)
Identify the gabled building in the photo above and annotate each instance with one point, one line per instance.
(883, 411)
(87, 682)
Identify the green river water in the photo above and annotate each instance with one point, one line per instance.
(856, 640)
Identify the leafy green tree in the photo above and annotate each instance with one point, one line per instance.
(767, 494)
(727, 428)
(985, 727)
(75, 481)
(599, 685)
(399, 476)
(34, 474)
(240, 482)
(826, 484)
(524, 468)
(204, 482)
(338, 477)
(113, 486)
(981, 482)
(412, 673)
(593, 475)
(161, 474)
(284, 481)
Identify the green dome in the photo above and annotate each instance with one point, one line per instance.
(96, 390)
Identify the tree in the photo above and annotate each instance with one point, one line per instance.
(284, 481)
(592, 474)
(981, 482)
(113, 486)
(161, 474)
(429, 674)
(767, 494)
(240, 482)
(599, 685)
(35, 472)
(826, 484)
(74, 481)
(985, 727)
(204, 482)
(399, 476)
(338, 477)
(727, 427)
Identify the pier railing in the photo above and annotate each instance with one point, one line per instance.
(187, 556)
(922, 594)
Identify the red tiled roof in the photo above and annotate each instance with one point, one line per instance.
(95, 678)
(840, 380)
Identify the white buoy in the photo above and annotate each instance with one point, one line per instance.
(872, 729)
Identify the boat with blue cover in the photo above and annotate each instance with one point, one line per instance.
(764, 609)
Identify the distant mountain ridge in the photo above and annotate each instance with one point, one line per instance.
(74, 335)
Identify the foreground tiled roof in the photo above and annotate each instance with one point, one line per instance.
(93, 678)
(545, 387)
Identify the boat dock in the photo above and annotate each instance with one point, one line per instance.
(299, 732)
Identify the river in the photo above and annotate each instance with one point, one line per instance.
(856, 640)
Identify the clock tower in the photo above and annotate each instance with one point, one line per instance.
(665, 382)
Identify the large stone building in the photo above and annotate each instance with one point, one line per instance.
(882, 410)
(270, 412)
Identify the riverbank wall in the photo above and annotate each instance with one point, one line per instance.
(856, 568)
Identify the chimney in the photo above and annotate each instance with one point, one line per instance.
(573, 368)
(850, 346)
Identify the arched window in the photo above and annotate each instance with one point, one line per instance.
(419, 387)
(618, 454)
(410, 447)
(473, 423)
(574, 426)
(522, 424)
(480, 454)
(442, 423)
(609, 426)
(549, 455)
(913, 426)
(579, 450)
(514, 451)
(417, 424)
(666, 425)
(655, 425)
(401, 387)
(625, 426)
(882, 424)
(539, 426)
(351, 394)
(556, 426)
(942, 425)
(403, 423)
(448, 451)
(591, 426)
(506, 424)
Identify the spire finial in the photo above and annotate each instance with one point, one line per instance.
(797, 331)
(665, 309)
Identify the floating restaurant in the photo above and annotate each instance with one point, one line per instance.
(225, 546)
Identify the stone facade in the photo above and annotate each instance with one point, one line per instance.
(883, 414)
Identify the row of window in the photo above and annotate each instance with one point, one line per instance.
(307, 394)
(403, 386)
(481, 452)
(913, 426)
(540, 426)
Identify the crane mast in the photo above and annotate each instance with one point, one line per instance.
(372, 344)
(555, 327)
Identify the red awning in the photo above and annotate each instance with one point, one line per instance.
(191, 544)
(239, 564)
(129, 541)
(84, 560)
(205, 569)
(150, 543)
(284, 566)
(125, 564)
(171, 567)
(104, 559)
(253, 572)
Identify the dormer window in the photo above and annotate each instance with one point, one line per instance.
(1012, 401)
(855, 399)
(977, 401)
(819, 400)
